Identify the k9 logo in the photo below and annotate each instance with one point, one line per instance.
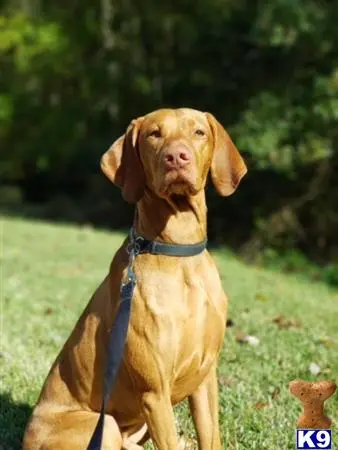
(314, 439)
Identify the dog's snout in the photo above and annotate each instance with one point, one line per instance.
(176, 158)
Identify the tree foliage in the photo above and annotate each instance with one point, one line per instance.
(74, 74)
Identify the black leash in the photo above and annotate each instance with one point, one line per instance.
(136, 246)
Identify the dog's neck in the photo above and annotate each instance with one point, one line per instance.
(179, 219)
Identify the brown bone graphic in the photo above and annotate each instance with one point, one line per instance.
(313, 396)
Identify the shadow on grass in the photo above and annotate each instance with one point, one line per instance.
(14, 417)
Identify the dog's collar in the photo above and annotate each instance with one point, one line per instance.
(142, 245)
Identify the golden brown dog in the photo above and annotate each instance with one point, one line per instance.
(179, 308)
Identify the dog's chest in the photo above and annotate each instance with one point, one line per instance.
(200, 336)
(177, 326)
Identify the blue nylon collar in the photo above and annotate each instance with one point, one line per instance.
(143, 245)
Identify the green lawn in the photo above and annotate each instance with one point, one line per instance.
(48, 274)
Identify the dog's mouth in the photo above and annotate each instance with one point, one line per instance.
(178, 182)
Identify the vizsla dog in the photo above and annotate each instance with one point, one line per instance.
(178, 313)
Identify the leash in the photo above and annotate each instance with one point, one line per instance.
(118, 333)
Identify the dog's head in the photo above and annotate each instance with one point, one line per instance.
(170, 151)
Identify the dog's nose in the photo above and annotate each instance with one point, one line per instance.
(176, 158)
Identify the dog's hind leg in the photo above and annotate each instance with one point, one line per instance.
(69, 430)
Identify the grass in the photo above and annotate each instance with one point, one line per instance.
(48, 274)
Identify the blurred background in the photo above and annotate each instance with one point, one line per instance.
(73, 74)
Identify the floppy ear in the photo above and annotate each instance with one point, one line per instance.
(122, 165)
(227, 165)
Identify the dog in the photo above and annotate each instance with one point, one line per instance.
(179, 308)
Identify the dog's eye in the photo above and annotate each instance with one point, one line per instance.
(199, 132)
(155, 134)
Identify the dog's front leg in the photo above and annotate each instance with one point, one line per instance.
(160, 419)
(204, 410)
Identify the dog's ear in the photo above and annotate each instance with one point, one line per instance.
(122, 165)
(227, 165)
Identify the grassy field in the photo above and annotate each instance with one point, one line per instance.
(48, 273)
